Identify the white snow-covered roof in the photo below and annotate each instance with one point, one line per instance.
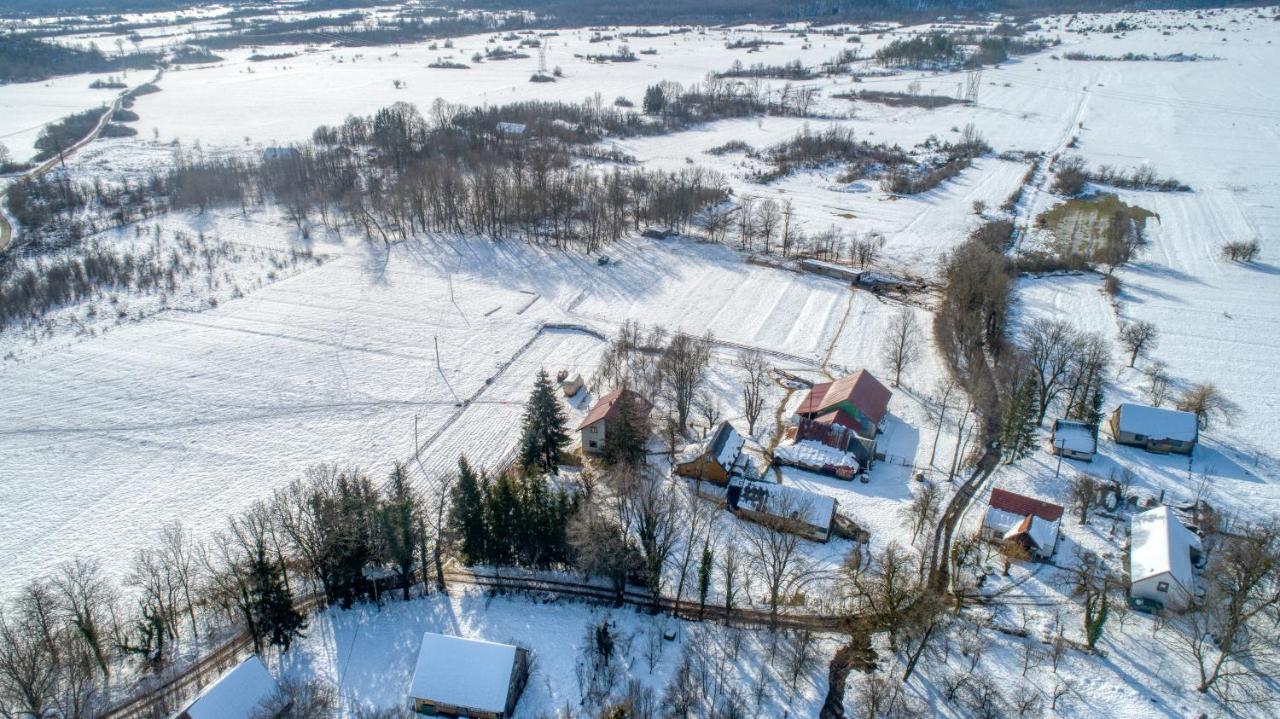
(1043, 532)
(768, 498)
(1158, 543)
(1074, 436)
(235, 695)
(466, 673)
(1158, 423)
(730, 447)
(511, 128)
(811, 453)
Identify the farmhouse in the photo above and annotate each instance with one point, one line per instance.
(845, 414)
(715, 460)
(239, 694)
(1030, 522)
(467, 677)
(606, 410)
(807, 514)
(1155, 429)
(1074, 440)
(1161, 552)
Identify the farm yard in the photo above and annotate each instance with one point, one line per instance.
(366, 340)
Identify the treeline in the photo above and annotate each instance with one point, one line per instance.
(808, 149)
(56, 137)
(794, 70)
(950, 159)
(26, 59)
(970, 49)
(1071, 174)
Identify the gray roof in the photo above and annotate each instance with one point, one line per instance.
(1158, 423)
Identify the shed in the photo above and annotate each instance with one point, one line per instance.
(1161, 553)
(798, 511)
(1074, 440)
(239, 694)
(715, 460)
(467, 677)
(1155, 429)
(571, 385)
(815, 456)
(1031, 522)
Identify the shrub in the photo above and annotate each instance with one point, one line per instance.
(1111, 285)
(1070, 177)
(1241, 250)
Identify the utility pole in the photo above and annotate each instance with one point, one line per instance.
(972, 82)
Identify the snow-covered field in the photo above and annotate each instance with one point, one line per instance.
(191, 416)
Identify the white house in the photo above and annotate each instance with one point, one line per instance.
(1075, 440)
(1028, 521)
(239, 694)
(1155, 429)
(1160, 558)
(593, 427)
(467, 677)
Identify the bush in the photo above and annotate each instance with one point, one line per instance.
(732, 146)
(1241, 250)
(1111, 285)
(1070, 177)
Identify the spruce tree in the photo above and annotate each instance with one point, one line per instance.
(545, 432)
(401, 523)
(278, 622)
(1018, 428)
(505, 520)
(624, 440)
(467, 514)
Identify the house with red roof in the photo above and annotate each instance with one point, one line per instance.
(1027, 521)
(845, 414)
(593, 427)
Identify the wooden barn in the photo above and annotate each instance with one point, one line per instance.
(715, 460)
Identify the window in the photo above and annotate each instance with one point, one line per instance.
(1162, 587)
(592, 444)
(1139, 437)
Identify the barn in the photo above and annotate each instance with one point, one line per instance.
(807, 514)
(1162, 553)
(715, 460)
(845, 414)
(1074, 440)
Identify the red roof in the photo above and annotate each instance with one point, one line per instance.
(607, 407)
(862, 390)
(1022, 505)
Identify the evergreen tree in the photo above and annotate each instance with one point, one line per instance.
(467, 514)
(278, 622)
(401, 524)
(625, 434)
(705, 565)
(1018, 428)
(503, 516)
(654, 99)
(545, 433)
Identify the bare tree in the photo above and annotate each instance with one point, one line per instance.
(1207, 403)
(28, 666)
(1157, 386)
(708, 408)
(946, 388)
(1083, 494)
(650, 517)
(776, 550)
(756, 370)
(903, 348)
(891, 592)
(87, 598)
(1232, 635)
(1138, 338)
(925, 505)
(1051, 347)
(683, 367)
(697, 520)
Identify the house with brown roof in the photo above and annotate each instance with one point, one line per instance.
(1030, 522)
(845, 414)
(594, 426)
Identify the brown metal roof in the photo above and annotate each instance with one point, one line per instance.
(607, 407)
(862, 390)
(1022, 505)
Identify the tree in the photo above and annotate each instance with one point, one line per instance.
(706, 562)
(683, 367)
(1207, 403)
(28, 666)
(1232, 634)
(651, 517)
(776, 550)
(1052, 346)
(401, 521)
(1138, 338)
(903, 348)
(655, 100)
(1018, 426)
(924, 507)
(277, 621)
(891, 593)
(1083, 494)
(1093, 585)
(545, 434)
(626, 434)
(1157, 387)
(601, 547)
(86, 600)
(756, 370)
(467, 514)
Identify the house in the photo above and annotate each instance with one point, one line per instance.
(606, 409)
(1073, 440)
(830, 269)
(808, 514)
(239, 694)
(715, 460)
(1161, 555)
(1032, 523)
(845, 414)
(467, 677)
(1155, 429)
(514, 129)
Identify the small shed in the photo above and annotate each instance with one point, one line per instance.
(1074, 440)
(1161, 556)
(571, 385)
(241, 693)
(467, 677)
(1030, 522)
(808, 514)
(1155, 429)
(715, 460)
(815, 456)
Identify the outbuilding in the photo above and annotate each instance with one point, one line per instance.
(715, 460)
(242, 693)
(1162, 553)
(1155, 429)
(807, 514)
(1074, 440)
(467, 677)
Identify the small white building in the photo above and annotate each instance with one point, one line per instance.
(1161, 553)
(1074, 440)
(241, 693)
(467, 677)
(514, 129)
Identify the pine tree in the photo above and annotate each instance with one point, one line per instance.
(624, 440)
(400, 522)
(467, 514)
(545, 432)
(278, 622)
(1018, 428)
(705, 564)
(504, 519)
